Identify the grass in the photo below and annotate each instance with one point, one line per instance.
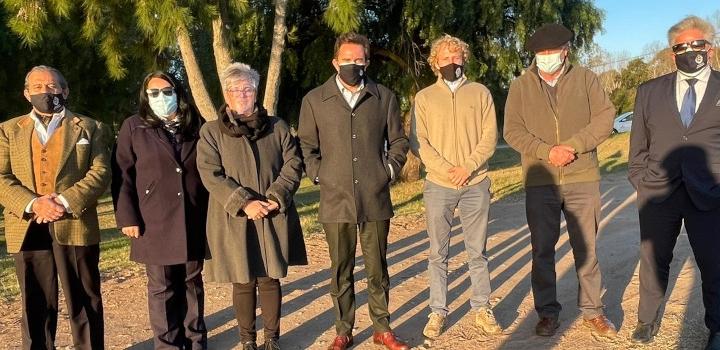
(505, 173)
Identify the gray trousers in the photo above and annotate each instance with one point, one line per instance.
(440, 203)
(580, 203)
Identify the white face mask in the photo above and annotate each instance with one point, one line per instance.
(550, 63)
(163, 106)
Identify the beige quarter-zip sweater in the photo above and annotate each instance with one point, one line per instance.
(454, 129)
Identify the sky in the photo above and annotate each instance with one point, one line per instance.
(631, 25)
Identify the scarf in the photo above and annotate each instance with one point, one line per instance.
(253, 126)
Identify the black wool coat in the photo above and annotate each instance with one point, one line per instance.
(166, 198)
(350, 150)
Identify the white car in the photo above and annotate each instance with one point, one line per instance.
(622, 123)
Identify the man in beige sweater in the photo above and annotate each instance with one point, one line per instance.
(556, 115)
(454, 133)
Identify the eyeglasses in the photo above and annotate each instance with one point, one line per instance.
(245, 91)
(154, 93)
(695, 45)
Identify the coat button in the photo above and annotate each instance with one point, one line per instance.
(354, 136)
(352, 114)
(684, 138)
(179, 194)
(356, 182)
(178, 170)
(147, 191)
(355, 159)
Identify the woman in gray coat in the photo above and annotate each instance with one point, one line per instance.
(251, 165)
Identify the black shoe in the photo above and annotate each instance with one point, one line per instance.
(644, 333)
(713, 342)
(547, 326)
(272, 344)
(249, 345)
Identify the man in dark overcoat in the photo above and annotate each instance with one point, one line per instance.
(353, 144)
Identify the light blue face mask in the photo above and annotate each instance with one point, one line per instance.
(163, 106)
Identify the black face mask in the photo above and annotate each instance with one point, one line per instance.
(352, 74)
(691, 62)
(452, 71)
(48, 103)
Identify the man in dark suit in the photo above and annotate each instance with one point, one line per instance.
(353, 145)
(54, 164)
(675, 167)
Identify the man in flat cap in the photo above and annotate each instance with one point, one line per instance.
(556, 115)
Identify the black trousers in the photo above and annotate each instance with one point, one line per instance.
(342, 241)
(176, 303)
(245, 297)
(580, 204)
(37, 266)
(660, 225)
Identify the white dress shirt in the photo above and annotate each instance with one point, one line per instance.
(681, 86)
(350, 97)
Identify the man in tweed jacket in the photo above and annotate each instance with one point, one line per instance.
(54, 164)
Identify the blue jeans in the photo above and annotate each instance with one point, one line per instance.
(440, 203)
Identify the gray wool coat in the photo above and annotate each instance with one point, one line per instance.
(233, 175)
(351, 150)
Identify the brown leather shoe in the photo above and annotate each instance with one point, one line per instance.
(601, 326)
(547, 326)
(389, 340)
(341, 342)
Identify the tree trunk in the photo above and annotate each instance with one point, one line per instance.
(272, 85)
(412, 169)
(221, 48)
(195, 76)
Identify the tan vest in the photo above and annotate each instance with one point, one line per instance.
(46, 159)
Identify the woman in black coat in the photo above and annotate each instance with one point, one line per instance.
(250, 163)
(161, 204)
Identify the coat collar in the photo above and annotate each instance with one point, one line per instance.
(330, 89)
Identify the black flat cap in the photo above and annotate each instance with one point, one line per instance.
(549, 36)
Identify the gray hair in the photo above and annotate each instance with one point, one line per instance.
(692, 22)
(239, 71)
(41, 68)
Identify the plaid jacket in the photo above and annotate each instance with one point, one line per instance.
(83, 176)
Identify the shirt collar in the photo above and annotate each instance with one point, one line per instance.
(344, 90)
(703, 75)
(454, 85)
(554, 81)
(59, 115)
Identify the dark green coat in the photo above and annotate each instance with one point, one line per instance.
(232, 175)
(350, 150)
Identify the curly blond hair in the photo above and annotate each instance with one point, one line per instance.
(452, 43)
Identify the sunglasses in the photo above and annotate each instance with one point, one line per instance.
(154, 93)
(695, 45)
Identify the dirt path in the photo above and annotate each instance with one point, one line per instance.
(307, 309)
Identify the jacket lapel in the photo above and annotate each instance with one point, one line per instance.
(331, 90)
(71, 135)
(712, 95)
(23, 142)
(671, 100)
(164, 143)
(187, 148)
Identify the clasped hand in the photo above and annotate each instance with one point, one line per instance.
(47, 208)
(257, 209)
(562, 155)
